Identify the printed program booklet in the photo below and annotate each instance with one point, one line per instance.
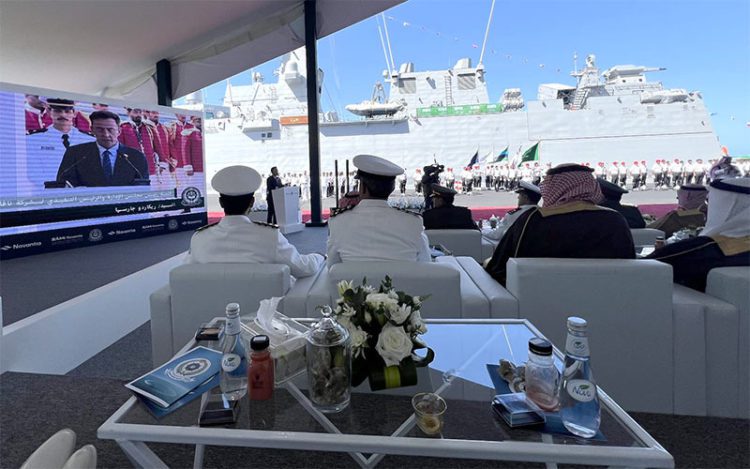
(178, 381)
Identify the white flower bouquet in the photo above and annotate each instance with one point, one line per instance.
(384, 326)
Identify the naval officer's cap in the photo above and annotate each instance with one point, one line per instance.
(236, 180)
(441, 191)
(376, 166)
(610, 190)
(525, 186)
(60, 104)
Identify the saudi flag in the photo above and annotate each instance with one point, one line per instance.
(503, 155)
(532, 154)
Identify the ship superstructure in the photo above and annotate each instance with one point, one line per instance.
(615, 115)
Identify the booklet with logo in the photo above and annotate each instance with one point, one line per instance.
(178, 381)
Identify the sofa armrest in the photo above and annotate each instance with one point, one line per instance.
(318, 294)
(474, 303)
(502, 303)
(295, 300)
(162, 346)
(706, 354)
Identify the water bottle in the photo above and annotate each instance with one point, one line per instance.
(579, 402)
(233, 379)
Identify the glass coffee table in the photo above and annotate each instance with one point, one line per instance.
(376, 424)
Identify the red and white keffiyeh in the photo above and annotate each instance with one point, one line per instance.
(570, 186)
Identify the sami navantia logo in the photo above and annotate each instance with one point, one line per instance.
(173, 224)
(189, 369)
(191, 197)
(95, 235)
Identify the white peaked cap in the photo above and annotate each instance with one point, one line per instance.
(236, 180)
(376, 165)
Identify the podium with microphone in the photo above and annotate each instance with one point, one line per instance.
(286, 205)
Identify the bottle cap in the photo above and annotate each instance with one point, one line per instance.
(259, 342)
(576, 324)
(540, 346)
(233, 308)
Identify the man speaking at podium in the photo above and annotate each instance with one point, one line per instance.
(105, 162)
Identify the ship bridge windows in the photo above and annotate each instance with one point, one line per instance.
(407, 85)
(467, 81)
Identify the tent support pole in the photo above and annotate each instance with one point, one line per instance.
(164, 82)
(312, 111)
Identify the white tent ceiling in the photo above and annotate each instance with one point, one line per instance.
(110, 48)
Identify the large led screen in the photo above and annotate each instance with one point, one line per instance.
(79, 170)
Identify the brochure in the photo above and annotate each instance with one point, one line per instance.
(179, 377)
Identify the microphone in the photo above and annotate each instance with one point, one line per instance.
(60, 181)
(127, 159)
(140, 181)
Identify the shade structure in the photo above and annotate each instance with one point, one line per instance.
(110, 48)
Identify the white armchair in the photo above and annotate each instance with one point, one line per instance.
(199, 292)
(732, 284)
(645, 236)
(459, 242)
(628, 305)
(54, 452)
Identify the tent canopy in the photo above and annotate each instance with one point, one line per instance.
(110, 48)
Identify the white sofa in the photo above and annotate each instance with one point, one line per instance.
(732, 284)
(652, 349)
(645, 236)
(197, 293)
(459, 242)
(628, 306)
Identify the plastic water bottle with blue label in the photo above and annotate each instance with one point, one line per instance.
(579, 402)
(233, 379)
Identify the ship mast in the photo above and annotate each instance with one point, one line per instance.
(486, 32)
(388, 41)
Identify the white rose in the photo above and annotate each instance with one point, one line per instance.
(416, 323)
(401, 314)
(344, 285)
(393, 344)
(375, 300)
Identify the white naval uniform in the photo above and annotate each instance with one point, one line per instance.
(374, 231)
(237, 239)
(498, 232)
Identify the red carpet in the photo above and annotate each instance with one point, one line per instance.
(483, 213)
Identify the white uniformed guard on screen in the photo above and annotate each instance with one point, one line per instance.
(372, 230)
(237, 239)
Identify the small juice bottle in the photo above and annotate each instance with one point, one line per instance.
(260, 372)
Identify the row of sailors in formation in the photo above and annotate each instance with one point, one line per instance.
(570, 223)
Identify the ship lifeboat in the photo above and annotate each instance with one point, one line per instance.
(370, 109)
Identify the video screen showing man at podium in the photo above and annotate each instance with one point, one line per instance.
(105, 162)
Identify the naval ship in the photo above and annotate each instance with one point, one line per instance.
(447, 116)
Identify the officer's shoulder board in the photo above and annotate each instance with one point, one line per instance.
(206, 227)
(335, 211)
(268, 225)
(407, 211)
(514, 210)
(35, 131)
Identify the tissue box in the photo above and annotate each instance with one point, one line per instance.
(287, 345)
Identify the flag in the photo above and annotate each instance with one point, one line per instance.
(474, 159)
(532, 154)
(503, 155)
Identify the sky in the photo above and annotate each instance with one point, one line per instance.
(703, 44)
